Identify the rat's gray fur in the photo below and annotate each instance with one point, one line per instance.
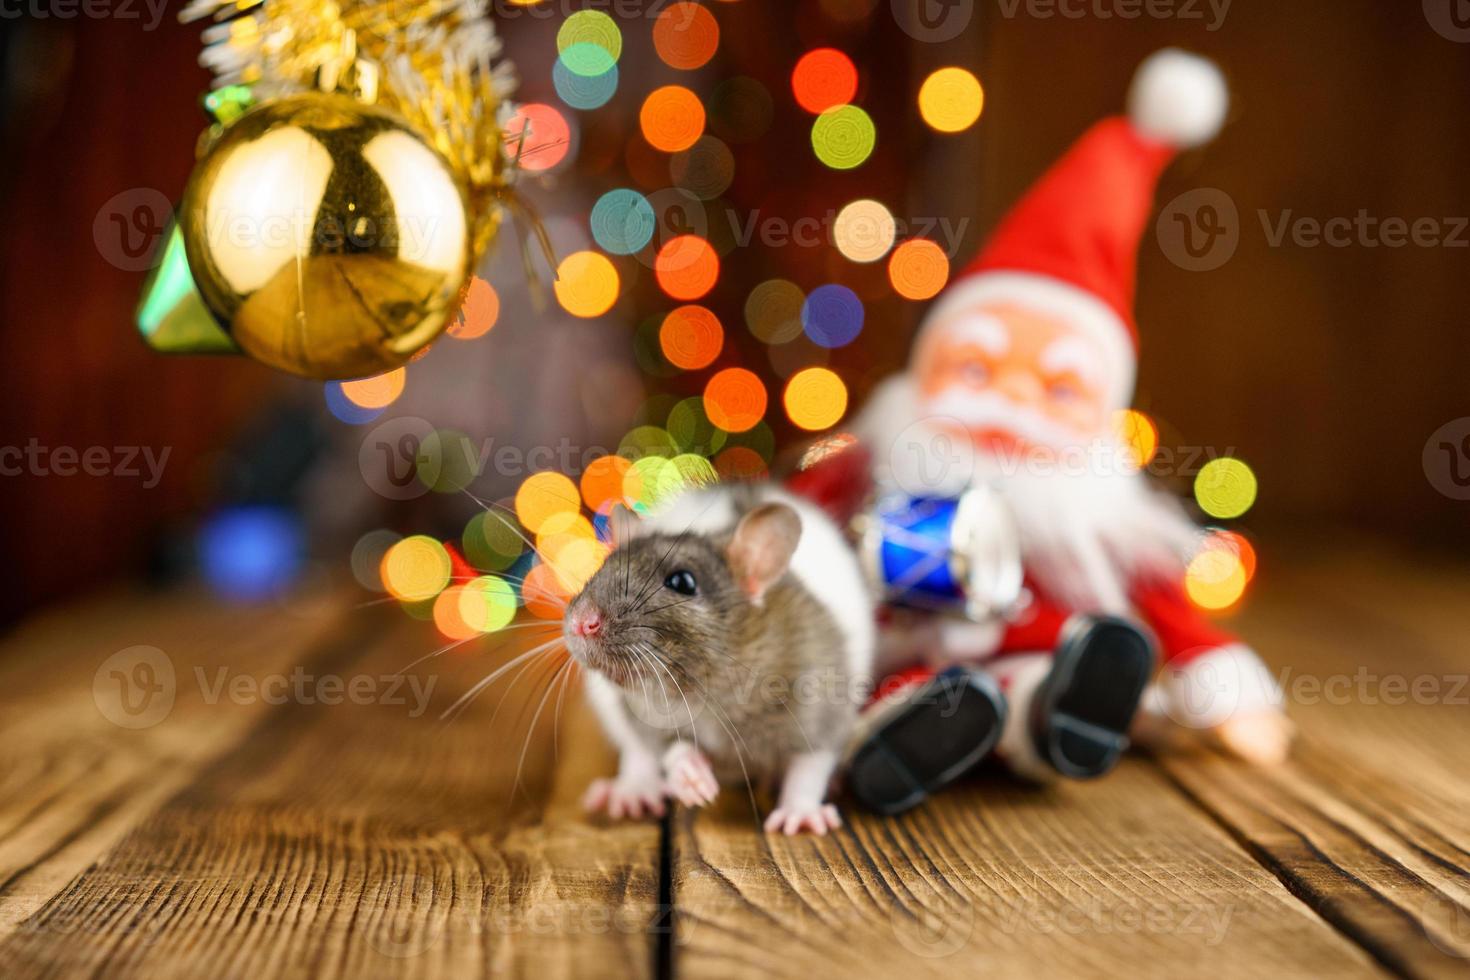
(751, 685)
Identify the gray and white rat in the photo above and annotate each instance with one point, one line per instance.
(729, 636)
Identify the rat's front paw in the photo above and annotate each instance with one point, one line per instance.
(691, 778)
(632, 798)
(792, 820)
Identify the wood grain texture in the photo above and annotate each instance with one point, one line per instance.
(238, 837)
(72, 782)
(361, 839)
(1370, 823)
(1081, 880)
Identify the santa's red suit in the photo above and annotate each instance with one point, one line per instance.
(1017, 372)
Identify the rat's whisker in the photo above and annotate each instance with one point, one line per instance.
(513, 528)
(491, 678)
(572, 666)
(531, 728)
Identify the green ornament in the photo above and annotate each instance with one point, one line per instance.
(171, 314)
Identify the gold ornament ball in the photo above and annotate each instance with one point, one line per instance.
(326, 236)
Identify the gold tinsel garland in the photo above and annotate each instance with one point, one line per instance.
(437, 59)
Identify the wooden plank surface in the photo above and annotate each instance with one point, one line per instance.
(1370, 822)
(1080, 880)
(72, 781)
(232, 836)
(365, 839)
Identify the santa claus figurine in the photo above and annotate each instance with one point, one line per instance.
(999, 445)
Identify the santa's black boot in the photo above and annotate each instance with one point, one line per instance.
(919, 742)
(1081, 712)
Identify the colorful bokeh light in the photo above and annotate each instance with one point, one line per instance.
(822, 79)
(773, 311)
(544, 498)
(672, 118)
(448, 617)
(918, 269)
(687, 267)
(586, 284)
(735, 399)
(1138, 434)
(622, 221)
(379, 391)
(686, 36)
(844, 137)
(478, 313)
(487, 603)
(584, 90)
(864, 231)
(691, 337)
(832, 316)
(584, 33)
(343, 408)
(1215, 580)
(1225, 488)
(538, 137)
(602, 483)
(815, 399)
(1236, 544)
(951, 99)
(740, 463)
(415, 569)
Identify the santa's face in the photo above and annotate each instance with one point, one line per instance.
(1015, 379)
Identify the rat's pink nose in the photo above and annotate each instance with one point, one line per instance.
(587, 622)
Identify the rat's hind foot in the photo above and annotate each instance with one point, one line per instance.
(792, 820)
(625, 798)
(691, 779)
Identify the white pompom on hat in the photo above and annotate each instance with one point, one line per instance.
(1178, 98)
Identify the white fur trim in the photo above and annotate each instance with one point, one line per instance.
(1052, 297)
(1178, 98)
(1219, 685)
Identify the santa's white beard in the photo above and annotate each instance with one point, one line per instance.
(1090, 523)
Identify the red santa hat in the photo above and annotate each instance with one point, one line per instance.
(1070, 246)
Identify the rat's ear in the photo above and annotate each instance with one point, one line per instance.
(761, 550)
(623, 524)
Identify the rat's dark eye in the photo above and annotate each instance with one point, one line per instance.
(681, 582)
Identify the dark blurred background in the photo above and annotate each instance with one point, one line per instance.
(1328, 368)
